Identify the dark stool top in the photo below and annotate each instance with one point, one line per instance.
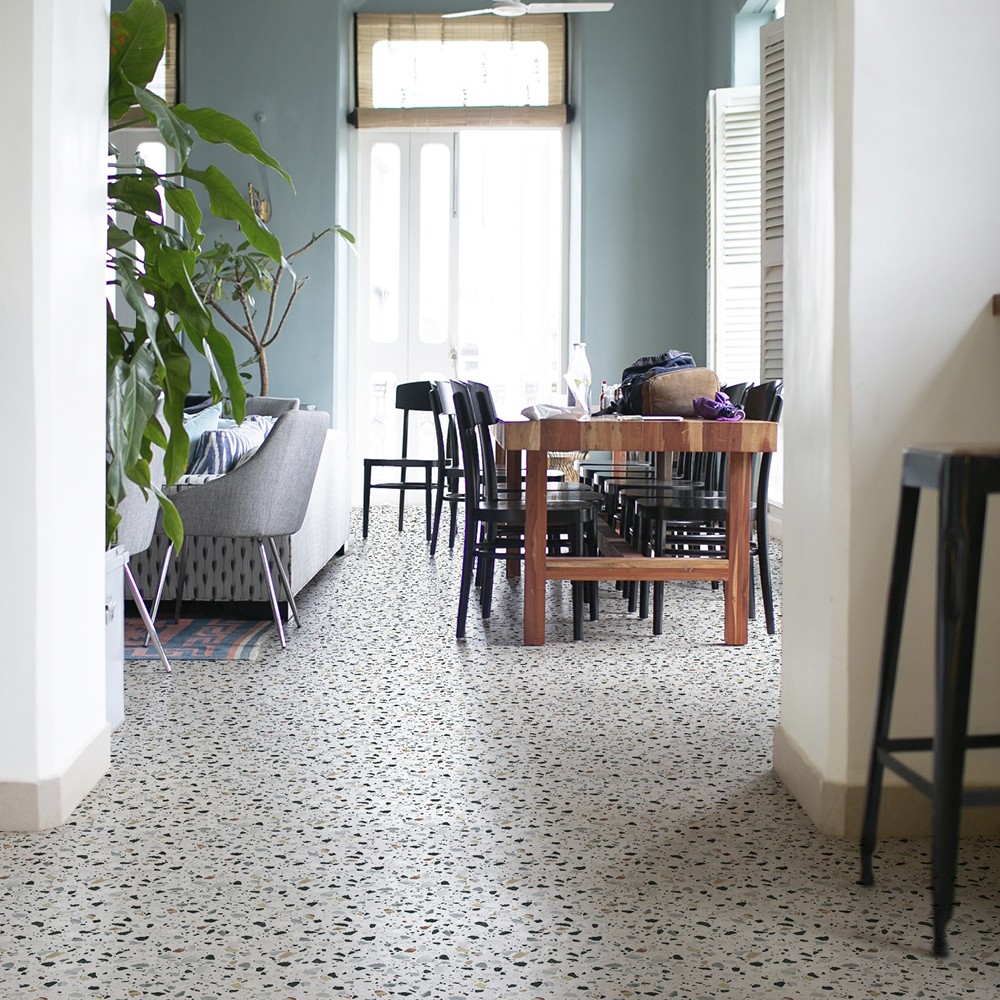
(926, 465)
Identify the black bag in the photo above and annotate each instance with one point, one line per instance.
(636, 374)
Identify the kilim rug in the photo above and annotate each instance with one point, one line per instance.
(198, 639)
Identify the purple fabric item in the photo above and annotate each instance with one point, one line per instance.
(720, 408)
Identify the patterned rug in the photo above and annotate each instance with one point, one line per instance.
(198, 639)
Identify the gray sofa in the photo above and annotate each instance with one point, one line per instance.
(228, 569)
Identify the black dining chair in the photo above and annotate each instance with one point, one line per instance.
(411, 397)
(494, 522)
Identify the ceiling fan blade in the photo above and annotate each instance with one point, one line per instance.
(568, 8)
(470, 13)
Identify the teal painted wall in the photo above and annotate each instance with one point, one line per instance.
(283, 62)
(641, 74)
(287, 62)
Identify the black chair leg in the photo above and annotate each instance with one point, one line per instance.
(428, 494)
(764, 563)
(367, 500)
(576, 547)
(438, 504)
(898, 584)
(402, 497)
(465, 587)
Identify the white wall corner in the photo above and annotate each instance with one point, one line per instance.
(31, 806)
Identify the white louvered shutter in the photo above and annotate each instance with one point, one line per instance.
(734, 216)
(772, 102)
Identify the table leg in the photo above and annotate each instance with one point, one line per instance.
(535, 550)
(513, 465)
(737, 587)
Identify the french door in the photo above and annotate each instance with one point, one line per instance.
(461, 239)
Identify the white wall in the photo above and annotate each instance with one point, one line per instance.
(54, 106)
(892, 256)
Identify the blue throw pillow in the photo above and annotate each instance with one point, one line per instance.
(196, 424)
(222, 448)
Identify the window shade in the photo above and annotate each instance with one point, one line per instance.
(425, 71)
(772, 103)
(734, 233)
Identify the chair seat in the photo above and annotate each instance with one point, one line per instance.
(558, 513)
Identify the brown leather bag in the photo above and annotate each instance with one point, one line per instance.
(671, 394)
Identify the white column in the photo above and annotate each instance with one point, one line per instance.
(53, 101)
(892, 246)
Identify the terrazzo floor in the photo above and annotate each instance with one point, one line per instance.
(381, 811)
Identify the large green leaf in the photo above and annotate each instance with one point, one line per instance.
(226, 202)
(171, 520)
(174, 132)
(136, 193)
(222, 351)
(214, 126)
(135, 294)
(138, 37)
(185, 204)
(177, 383)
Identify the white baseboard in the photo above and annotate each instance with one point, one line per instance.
(30, 806)
(837, 809)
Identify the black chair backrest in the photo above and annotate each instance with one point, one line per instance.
(412, 396)
(468, 438)
(443, 407)
(484, 411)
(737, 391)
(763, 402)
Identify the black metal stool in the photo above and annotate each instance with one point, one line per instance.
(963, 477)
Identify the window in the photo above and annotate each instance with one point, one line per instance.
(425, 71)
(734, 233)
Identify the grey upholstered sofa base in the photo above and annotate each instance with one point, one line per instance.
(228, 569)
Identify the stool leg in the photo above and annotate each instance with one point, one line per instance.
(963, 511)
(898, 582)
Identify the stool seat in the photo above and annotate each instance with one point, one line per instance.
(964, 476)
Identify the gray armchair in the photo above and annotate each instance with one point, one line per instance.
(271, 406)
(265, 497)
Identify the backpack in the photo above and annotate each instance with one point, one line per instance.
(635, 376)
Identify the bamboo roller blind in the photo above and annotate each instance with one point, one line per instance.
(548, 29)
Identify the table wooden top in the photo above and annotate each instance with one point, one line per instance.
(646, 434)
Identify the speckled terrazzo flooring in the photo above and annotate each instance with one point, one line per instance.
(383, 812)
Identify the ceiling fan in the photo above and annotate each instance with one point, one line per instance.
(514, 8)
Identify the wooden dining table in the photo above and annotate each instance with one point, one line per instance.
(618, 560)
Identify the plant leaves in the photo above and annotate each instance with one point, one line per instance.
(185, 204)
(226, 202)
(173, 131)
(136, 194)
(138, 37)
(216, 127)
